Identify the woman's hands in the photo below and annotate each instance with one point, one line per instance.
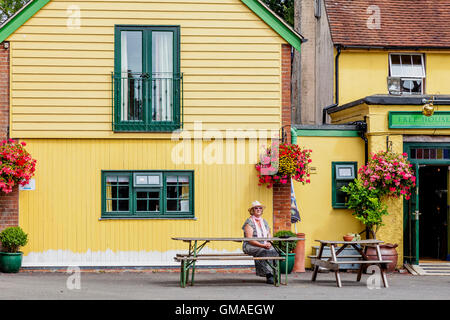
(249, 234)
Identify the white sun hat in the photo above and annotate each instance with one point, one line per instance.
(256, 203)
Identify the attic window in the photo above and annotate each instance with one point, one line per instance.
(407, 73)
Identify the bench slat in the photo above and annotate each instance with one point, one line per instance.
(213, 255)
(339, 256)
(228, 258)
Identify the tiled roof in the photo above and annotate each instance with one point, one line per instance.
(402, 23)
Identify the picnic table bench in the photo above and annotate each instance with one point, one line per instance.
(333, 263)
(189, 259)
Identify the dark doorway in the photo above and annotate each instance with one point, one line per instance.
(433, 207)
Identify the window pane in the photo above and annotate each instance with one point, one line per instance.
(123, 205)
(172, 179)
(162, 76)
(109, 205)
(172, 205)
(185, 191)
(409, 69)
(131, 52)
(172, 192)
(417, 67)
(153, 205)
(396, 69)
(153, 195)
(123, 192)
(141, 205)
(111, 179)
(131, 76)
(141, 195)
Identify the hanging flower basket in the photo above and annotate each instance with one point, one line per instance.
(16, 165)
(389, 173)
(280, 162)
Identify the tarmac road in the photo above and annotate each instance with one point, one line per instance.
(210, 285)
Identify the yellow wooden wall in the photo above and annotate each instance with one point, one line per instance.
(62, 215)
(364, 72)
(61, 77)
(319, 219)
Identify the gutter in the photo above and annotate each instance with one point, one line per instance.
(368, 47)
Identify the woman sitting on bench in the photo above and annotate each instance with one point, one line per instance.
(256, 227)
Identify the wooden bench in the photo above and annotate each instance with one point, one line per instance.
(334, 265)
(188, 262)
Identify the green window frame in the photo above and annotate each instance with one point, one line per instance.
(339, 198)
(172, 196)
(137, 94)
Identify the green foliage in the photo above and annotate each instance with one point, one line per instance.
(283, 8)
(282, 245)
(367, 205)
(13, 238)
(9, 7)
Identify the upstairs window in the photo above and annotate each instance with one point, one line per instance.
(147, 78)
(407, 73)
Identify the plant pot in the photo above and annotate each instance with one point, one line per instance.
(290, 262)
(347, 238)
(388, 252)
(10, 262)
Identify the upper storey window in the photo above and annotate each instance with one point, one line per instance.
(406, 73)
(147, 78)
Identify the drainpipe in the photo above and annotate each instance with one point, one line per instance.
(293, 136)
(336, 85)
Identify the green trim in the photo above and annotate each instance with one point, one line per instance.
(334, 203)
(21, 17)
(327, 133)
(274, 22)
(416, 120)
(412, 227)
(133, 213)
(146, 124)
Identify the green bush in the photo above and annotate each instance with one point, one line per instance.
(366, 205)
(282, 245)
(13, 238)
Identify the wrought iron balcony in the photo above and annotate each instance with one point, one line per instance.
(147, 102)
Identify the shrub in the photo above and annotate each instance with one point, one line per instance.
(366, 204)
(13, 238)
(282, 245)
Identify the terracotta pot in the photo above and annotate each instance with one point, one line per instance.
(388, 252)
(347, 238)
(299, 263)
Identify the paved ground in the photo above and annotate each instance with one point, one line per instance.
(151, 285)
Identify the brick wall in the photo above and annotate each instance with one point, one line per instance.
(282, 192)
(9, 203)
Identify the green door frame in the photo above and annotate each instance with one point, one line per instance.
(410, 220)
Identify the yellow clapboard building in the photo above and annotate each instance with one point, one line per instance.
(146, 119)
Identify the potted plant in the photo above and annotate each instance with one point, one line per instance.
(12, 239)
(387, 174)
(281, 162)
(280, 246)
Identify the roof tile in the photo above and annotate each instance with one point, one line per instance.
(405, 23)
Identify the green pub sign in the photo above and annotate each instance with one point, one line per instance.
(415, 119)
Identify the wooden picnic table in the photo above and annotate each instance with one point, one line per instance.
(360, 246)
(196, 244)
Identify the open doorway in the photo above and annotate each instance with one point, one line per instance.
(433, 205)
